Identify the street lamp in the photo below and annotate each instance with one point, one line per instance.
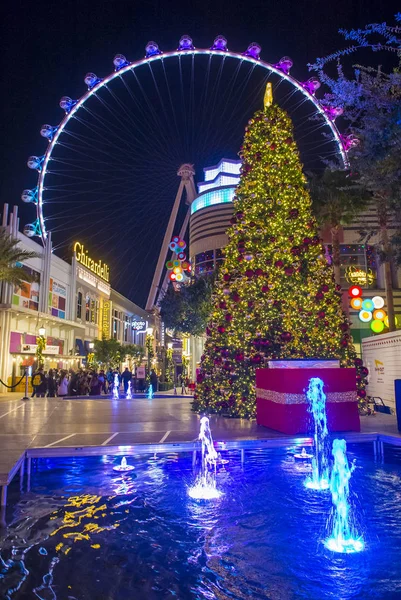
(149, 347)
(42, 331)
(149, 331)
(91, 345)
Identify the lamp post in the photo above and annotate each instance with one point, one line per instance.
(91, 355)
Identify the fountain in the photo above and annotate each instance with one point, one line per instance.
(303, 455)
(205, 484)
(116, 387)
(150, 392)
(317, 400)
(343, 537)
(128, 395)
(123, 467)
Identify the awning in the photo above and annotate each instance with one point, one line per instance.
(79, 347)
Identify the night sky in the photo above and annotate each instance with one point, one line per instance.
(49, 46)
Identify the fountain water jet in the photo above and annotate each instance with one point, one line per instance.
(128, 395)
(150, 392)
(123, 467)
(116, 387)
(343, 536)
(205, 484)
(317, 401)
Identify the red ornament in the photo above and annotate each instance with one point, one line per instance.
(319, 296)
(321, 314)
(286, 336)
(272, 146)
(307, 241)
(228, 317)
(361, 393)
(259, 272)
(325, 288)
(223, 305)
(249, 273)
(288, 270)
(293, 213)
(236, 297)
(295, 251)
(289, 140)
(265, 289)
(221, 329)
(279, 264)
(226, 277)
(250, 304)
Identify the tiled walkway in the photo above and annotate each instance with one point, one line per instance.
(52, 422)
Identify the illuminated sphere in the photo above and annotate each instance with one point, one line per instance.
(379, 314)
(356, 303)
(172, 276)
(377, 326)
(368, 304)
(386, 322)
(179, 277)
(378, 301)
(355, 291)
(173, 246)
(365, 316)
(177, 270)
(176, 263)
(169, 264)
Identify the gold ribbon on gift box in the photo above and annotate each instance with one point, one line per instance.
(285, 398)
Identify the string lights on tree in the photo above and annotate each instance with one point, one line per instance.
(275, 296)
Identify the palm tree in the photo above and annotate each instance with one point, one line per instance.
(11, 254)
(337, 199)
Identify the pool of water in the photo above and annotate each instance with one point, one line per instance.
(86, 532)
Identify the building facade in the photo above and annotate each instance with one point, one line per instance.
(74, 303)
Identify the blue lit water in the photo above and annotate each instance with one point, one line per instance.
(85, 532)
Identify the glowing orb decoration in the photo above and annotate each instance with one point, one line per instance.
(386, 321)
(355, 291)
(179, 277)
(169, 265)
(177, 270)
(378, 301)
(356, 303)
(377, 326)
(368, 304)
(379, 314)
(365, 316)
(173, 276)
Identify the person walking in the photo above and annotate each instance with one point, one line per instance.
(102, 380)
(126, 377)
(39, 384)
(51, 384)
(62, 389)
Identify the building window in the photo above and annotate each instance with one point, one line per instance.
(97, 312)
(204, 262)
(126, 328)
(116, 324)
(79, 305)
(358, 265)
(87, 308)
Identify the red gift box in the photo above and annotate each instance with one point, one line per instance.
(281, 402)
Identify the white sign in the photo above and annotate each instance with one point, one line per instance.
(140, 372)
(31, 349)
(139, 326)
(381, 354)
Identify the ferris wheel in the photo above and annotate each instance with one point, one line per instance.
(111, 162)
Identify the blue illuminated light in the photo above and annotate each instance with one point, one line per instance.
(211, 198)
(150, 392)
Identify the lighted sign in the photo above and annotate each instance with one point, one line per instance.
(365, 316)
(100, 269)
(359, 276)
(106, 320)
(31, 349)
(377, 326)
(139, 326)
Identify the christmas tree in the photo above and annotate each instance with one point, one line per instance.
(275, 295)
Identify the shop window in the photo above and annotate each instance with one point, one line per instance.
(97, 312)
(358, 265)
(79, 305)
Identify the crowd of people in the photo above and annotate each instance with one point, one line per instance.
(84, 382)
